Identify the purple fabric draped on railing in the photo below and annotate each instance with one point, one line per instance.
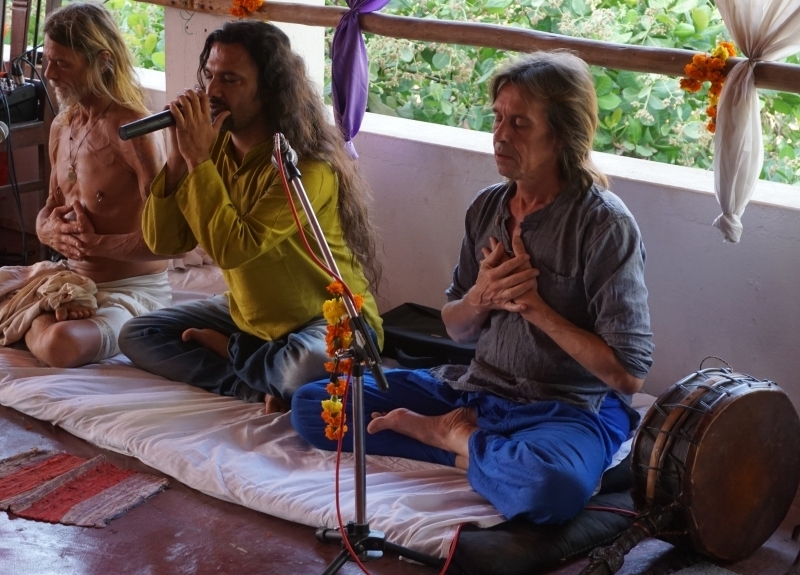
(350, 70)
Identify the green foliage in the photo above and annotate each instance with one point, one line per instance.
(142, 26)
(641, 115)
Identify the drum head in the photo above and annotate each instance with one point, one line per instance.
(744, 474)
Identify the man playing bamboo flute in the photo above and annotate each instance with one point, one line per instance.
(550, 283)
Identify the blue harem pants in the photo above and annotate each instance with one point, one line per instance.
(539, 461)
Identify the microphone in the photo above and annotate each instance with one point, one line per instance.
(3, 132)
(147, 125)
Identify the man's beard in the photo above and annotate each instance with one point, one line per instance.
(68, 97)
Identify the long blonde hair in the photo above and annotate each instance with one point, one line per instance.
(89, 29)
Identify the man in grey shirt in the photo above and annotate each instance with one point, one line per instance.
(550, 283)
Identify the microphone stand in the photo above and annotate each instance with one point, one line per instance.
(368, 544)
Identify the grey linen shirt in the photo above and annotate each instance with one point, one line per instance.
(590, 256)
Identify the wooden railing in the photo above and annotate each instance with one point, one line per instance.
(668, 61)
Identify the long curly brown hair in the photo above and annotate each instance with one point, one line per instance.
(294, 107)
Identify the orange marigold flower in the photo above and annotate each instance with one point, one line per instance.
(715, 90)
(691, 85)
(694, 72)
(238, 11)
(729, 47)
(716, 64)
(332, 433)
(711, 111)
(358, 300)
(330, 366)
(336, 288)
(716, 77)
(711, 126)
(700, 60)
(346, 365)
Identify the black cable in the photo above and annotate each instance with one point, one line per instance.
(44, 85)
(12, 175)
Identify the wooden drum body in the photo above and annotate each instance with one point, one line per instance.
(722, 451)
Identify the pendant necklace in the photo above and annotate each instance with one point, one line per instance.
(72, 175)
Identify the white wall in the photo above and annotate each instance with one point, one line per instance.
(740, 301)
(186, 33)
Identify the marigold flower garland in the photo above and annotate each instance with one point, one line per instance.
(711, 68)
(243, 8)
(339, 336)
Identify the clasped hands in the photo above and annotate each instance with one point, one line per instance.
(69, 231)
(505, 282)
(194, 133)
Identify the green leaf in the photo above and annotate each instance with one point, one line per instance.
(664, 19)
(159, 60)
(579, 7)
(645, 151)
(616, 117)
(628, 146)
(149, 43)
(602, 138)
(603, 84)
(693, 130)
(781, 106)
(632, 16)
(447, 108)
(786, 152)
(655, 103)
(440, 60)
(634, 130)
(684, 30)
(376, 106)
(407, 54)
(609, 101)
(497, 6)
(683, 6)
(475, 118)
(701, 16)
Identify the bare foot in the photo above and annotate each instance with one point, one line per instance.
(450, 431)
(276, 405)
(72, 310)
(209, 339)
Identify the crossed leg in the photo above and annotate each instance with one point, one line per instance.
(450, 432)
(64, 338)
(218, 343)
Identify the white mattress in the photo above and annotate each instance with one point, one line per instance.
(233, 451)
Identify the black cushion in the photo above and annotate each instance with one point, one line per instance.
(522, 548)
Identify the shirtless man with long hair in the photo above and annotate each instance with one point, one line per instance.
(98, 188)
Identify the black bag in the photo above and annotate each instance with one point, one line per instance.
(415, 336)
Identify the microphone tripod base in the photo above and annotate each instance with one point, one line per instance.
(369, 545)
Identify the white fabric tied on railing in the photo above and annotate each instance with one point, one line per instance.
(764, 30)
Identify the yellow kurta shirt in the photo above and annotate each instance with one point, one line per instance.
(240, 215)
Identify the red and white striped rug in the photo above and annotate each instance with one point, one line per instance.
(62, 488)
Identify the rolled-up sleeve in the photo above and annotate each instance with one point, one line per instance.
(617, 295)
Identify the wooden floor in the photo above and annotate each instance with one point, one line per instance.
(183, 532)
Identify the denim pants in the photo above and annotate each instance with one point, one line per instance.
(254, 367)
(539, 461)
